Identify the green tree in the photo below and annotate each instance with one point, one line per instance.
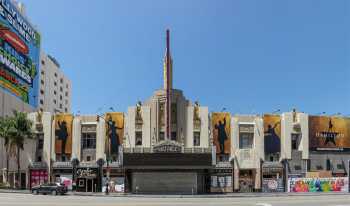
(6, 129)
(22, 132)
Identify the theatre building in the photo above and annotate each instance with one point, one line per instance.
(167, 148)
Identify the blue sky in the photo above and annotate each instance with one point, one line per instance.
(247, 56)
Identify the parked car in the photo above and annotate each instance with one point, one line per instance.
(50, 188)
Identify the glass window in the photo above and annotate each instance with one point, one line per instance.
(295, 141)
(161, 136)
(246, 140)
(138, 138)
(196, 138)
(173, 136)
(40, 144)
(88, 140)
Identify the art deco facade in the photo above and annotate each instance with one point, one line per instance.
(168, 144)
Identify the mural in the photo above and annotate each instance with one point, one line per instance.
(272, 134)
(222, 132)
(63, 133)
(114, 131)
(329, 133)
(333, 184)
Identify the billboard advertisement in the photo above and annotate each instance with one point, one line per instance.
(63, 134)
(272, 134)
(114, 131)
(19, 54)
(221, 124)
(331, 184)
(329, 133)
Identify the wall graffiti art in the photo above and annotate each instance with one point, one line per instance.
(333, 184)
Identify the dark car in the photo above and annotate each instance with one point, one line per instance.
(50, 188)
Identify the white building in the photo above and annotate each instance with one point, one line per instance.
(55, 87)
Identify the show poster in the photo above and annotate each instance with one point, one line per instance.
(272, 134)
(332, 184)
(63, 134)
(221, 125)
(329, 133)
(114, 131)
(19, 54)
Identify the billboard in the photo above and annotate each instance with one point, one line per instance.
(221, 124)
(63, 134)
(19, 54)
(114, 131)
(330, 184)
(329, 133)
(272, 134)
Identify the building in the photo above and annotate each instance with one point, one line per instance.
(167, 144)
(55, 87)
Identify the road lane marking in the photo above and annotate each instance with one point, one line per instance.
(263, 204)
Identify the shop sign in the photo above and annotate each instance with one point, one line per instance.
(86, 173)
(167, 147)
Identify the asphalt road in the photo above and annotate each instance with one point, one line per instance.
(39, 200)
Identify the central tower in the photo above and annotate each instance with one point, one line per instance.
(168, 84)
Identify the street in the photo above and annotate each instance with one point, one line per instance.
(31, 200)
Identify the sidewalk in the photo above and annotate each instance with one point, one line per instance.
(232, 195)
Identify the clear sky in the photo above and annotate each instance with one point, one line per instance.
(247, 56)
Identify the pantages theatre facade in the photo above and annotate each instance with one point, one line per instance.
(168, 144)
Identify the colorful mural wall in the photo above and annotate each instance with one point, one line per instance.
(272, 134)
(221, 124)
(329, 133)
(332, 184)
(114, 131)
(63, 134)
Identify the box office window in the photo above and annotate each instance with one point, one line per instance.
(138, 138)
(196, 138)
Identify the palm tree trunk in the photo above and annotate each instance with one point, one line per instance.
(7, 166)
(18, 167)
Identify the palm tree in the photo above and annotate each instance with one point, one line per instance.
(6, 129)
(22, 131)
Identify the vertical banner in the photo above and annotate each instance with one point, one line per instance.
(114, 131)
(63, 134)
(221, 125)
(329, 133)
(272, 134)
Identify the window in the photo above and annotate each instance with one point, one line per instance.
(328, 164)
(340, 166)
(88, 140)
(42, 81)
(41, 109)
(39, 159)
(61, 89)
(61, 80)
(54, 101)
(196, 138)
(55, 74)
(42, 72)
(54, 92)
(41, 101)
(65, 110)
(295, 141)
(40, 144)
(161, 136)
(60, 106)
(66, 94)
(42, 62)
(246, 136)
(55, 83)
(173, 136)
(88, 158)
(41, 91)
(60, 97)
(138, 138)
(297, 167)
(67, 86)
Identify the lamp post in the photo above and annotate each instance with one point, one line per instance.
(100, 162)
(75, 163)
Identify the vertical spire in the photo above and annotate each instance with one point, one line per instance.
(168, 84)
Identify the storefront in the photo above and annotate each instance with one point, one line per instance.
(272, 177)
(221, 179)
(87, 179)
(116, 182)
(246, 180)
(38, 174)
(62, 172)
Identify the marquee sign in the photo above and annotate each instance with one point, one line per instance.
(86, 173)
(167, 147)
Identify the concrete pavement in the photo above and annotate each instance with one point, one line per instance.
(15, 199)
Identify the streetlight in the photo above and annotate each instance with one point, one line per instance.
(75, 163)
(223, 109)
(100, 162)
(321, 113)
(274, 112)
